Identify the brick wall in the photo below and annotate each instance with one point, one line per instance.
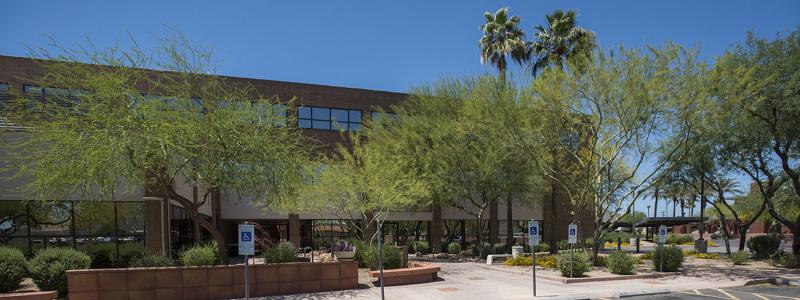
(216, 282)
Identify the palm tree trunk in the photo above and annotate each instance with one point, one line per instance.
(655, 205)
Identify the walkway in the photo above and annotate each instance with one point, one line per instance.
(461, 281)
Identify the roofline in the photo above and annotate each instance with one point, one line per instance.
(234, 77)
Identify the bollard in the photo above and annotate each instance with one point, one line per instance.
(619, 243)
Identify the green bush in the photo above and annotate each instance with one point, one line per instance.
(422, 247)
(673, 259)
(48, 268)
(739, 257)
(199, 255)
(282, 253)
(764, 246)
(787, 260)
(13, 266)
(128, 253)
(563, 245)
(361, 252)
(621, 263)
(500, 248)
(542, 247)
(151, 261)
(573, 265)
(611, 237)
(453, 248)
(679, 239)
(392, 258)
(102, 255)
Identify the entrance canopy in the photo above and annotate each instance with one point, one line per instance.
(668, 221)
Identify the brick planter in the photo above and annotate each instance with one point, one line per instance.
(415, 273)
(215, 282)
(47, 295)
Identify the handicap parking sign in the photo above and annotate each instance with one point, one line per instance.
(246, 244)
(572, 236)
(533, 233)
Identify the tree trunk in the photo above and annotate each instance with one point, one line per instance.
(674, 205)
(702, 206)
(683, 207)
(655, 205)
(192, 211)
(509, 222)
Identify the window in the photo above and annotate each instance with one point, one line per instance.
(4, 96)
(328, 118)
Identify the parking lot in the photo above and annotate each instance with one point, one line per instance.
(754, 292)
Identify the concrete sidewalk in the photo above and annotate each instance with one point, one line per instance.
(460, 281)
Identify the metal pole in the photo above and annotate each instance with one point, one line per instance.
(246, 281)
(380, 257)
(662, 257)
(534, 271)
(571, 260)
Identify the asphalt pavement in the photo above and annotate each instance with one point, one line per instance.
(753, 292)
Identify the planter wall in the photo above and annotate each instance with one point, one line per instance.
(217, 282)
(48, 295)
(415, 273)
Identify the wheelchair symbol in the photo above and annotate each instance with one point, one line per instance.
(246, 236)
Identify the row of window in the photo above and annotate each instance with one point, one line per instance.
(312, 117)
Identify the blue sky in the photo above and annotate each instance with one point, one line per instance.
(383, 45)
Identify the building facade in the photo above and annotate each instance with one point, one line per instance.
(144, 221)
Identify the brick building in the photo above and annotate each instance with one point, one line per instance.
(138, 220)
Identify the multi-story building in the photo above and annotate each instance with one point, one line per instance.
(140, 221)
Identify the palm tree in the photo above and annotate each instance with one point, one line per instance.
(502, 37)
(561, 40)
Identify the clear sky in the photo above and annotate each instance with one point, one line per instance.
(383, 45)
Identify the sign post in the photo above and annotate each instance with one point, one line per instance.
(533, 240)
(246, 248)
(662, 238)
(572, 238)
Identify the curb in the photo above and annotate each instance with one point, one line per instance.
(563, 280)
(793, 281)
(641, 293)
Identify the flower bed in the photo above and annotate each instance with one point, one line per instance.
(415, 273)
(214, 282)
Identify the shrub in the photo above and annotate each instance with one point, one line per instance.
(281, 253)
(647, 255)
(500, 248)
(739, 257)
(13, 266)
(600, 262)
(708, 255)
(764, 246)
(199, 255)
(391, 258)
(679, 239)
(129, 253)
(673, 259)
(563, 245)
(453, 248)
(151, 261)
(611, 237)
(422, 247)
(102, 255)
(361, 250)
(574, 265)
(621, 263)
(546, 261)
(49, 267)
(542, 247)
(519, 261)
(689, 253)
(787, 261)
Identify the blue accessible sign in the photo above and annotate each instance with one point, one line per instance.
(246, 243)
(533, 233)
